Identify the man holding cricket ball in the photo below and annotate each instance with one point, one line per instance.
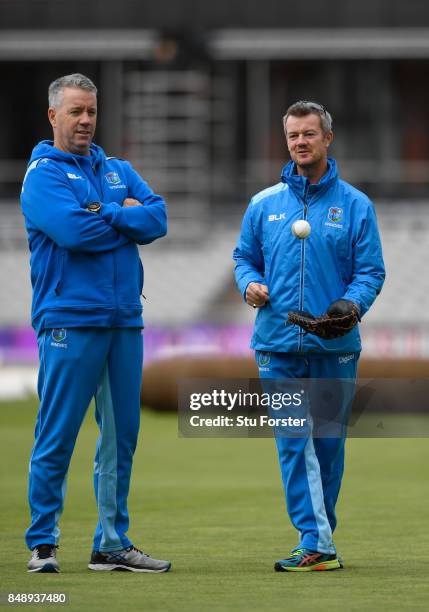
(309, 259)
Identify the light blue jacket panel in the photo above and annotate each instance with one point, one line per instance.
(341, 258)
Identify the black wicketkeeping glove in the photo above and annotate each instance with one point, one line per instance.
(340, 318)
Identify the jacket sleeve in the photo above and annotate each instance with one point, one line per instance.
(142, 224)
(368, 272)
(248, 256)
(50, 204)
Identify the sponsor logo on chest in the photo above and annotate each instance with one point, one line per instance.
(114, 181)
(279, 217)
(335, 217)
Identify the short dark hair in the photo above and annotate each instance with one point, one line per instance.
(307, 107)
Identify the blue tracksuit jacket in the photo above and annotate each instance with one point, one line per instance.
(341, 258)
(85, 267)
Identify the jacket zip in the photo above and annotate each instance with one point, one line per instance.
(60, 278)
(100, 193)
(302, 267)
(100, 177)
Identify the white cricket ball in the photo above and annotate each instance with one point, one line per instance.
(301, 229)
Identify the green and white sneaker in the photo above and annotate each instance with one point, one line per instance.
(305, 560)
(128, 559)
(43, 559)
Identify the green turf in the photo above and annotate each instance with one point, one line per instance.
(215, 508)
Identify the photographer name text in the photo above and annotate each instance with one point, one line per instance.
(245, 421)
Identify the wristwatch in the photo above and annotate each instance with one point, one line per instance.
(94, 207)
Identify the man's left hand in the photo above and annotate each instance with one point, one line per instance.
(340, 318)
(128, 202)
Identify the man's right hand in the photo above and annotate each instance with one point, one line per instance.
(257, 295)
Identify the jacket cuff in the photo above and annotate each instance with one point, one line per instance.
(109, 212)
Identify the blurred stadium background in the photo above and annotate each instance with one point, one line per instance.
(193, 94)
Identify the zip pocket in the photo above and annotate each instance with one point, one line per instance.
(141, 279)
(60, 277)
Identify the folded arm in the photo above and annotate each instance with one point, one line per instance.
(49, 203)
(142, 222)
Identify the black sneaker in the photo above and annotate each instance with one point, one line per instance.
(43, 559)
(128, 559)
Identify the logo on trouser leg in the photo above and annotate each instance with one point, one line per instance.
(263, 361)
(58, 337)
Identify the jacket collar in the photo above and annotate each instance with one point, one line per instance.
(299, 184)
(46, 149)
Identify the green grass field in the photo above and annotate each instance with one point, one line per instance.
(215, 508)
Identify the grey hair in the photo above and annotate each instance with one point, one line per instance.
(77, 80)
(306, 107)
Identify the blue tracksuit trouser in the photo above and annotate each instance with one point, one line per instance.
(312, 467)
(77, 364)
